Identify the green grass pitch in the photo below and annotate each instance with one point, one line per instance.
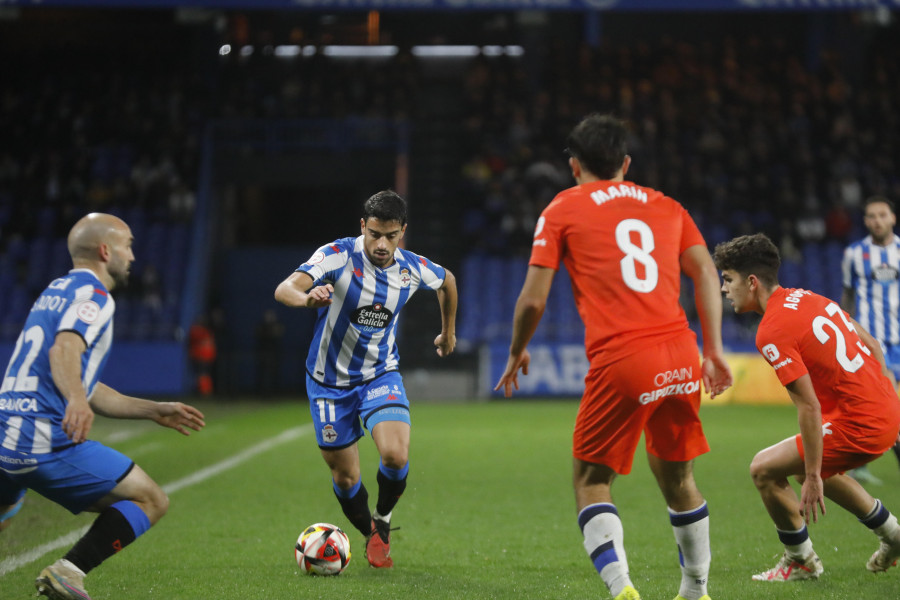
(488, 513)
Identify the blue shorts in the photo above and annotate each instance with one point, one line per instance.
(75, 478)
(337, 412)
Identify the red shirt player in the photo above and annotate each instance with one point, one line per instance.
(848, 411)
(625, 248)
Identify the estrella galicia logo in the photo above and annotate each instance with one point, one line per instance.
(375, 316)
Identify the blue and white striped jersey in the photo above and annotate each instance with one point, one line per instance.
(873, 273)
(31, 408)
(355, 338)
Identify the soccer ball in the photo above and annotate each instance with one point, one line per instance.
(322, 549)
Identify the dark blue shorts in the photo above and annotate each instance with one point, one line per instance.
(74, 478)
(337, 412)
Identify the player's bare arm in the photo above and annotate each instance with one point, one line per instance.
(297, 291)
(65, 366)
(529, 310)
(697, 264)
(176, 415)
(447, 296)
(809, 417)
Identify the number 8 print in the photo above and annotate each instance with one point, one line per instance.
(637, 254)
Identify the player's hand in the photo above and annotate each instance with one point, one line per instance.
(319, 296)
(445, 343)
(179, 417)
(716, 374)
(78, 420)
(510, 378)
(812, 496)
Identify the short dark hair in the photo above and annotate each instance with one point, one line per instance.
(750, 255)
(878, 200)
(599, 144)
(386, 205)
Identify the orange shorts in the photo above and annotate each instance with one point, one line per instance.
(839, 455)
(655, 391)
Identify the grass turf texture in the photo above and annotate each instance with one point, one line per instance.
(488, 513)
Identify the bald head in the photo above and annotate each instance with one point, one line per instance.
(102, 243)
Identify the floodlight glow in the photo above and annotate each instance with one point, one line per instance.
(445, 51)
(287, 51)
(360, 51)
(225, 50)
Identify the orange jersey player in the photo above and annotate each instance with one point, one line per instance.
(848, 412)
(625, 248)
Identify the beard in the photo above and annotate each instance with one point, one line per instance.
(119, 277)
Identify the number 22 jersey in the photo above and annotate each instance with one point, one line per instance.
(805, 333)
(31, 408)
(621, 244)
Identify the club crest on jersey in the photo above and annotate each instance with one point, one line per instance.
(88, 311)
(374, 316)
(329, 435)
(405, 278)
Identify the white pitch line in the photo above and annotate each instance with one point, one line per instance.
(7, 565)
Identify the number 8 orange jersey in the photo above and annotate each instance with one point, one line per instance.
(621, 244)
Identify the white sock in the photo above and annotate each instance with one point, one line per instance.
(604, 543)
(691, 530)
(386, 518)
(796, 543)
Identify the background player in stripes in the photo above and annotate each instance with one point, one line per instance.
(625, 248)
(848, 410)
(50, 393)
(871, 276)
(359, 285)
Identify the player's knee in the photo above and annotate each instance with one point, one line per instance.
(760, 471)
(395, 458)
(156, 505)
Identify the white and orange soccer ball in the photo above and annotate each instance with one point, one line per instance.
(322, 549)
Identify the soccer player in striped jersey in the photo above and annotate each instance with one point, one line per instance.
(871, 275)
(50, 393)
(359, 285)
(625, 247)
(848, 411)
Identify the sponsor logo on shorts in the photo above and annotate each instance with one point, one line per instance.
(674, 376)
(329, 435)
(675, 389)
(376, 392)
(13, 460)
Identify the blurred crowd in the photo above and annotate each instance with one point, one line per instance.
(749, 134)
(765, 133)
